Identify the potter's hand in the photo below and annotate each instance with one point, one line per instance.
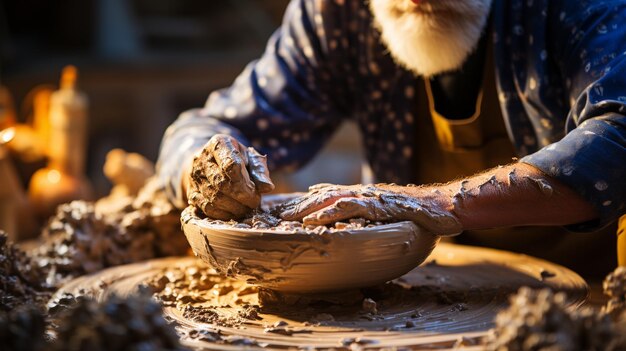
(505, 196)
(227, 179)
(327, 203)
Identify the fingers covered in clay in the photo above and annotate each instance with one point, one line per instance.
(207, 206)
(348, 208)
(232, 159)
(259, 172)
(321, 186)
(297, 209)
(327, 204)
(422, 212)
(221, 185)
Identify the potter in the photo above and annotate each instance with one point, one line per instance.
(443, 93)
(220, 184)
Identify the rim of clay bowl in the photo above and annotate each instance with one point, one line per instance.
(300, 262)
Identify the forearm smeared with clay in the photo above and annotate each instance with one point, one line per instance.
(517, 194)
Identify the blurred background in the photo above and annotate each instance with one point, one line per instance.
(140, 64)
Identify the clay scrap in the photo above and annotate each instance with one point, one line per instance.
(79, 323)
(22, 281)
(261, 219)
(132, 323)
(23, 329)
(85, 237)
(540, 320)
(614, 286)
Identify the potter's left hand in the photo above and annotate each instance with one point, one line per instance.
(327, 203)
(505, 196)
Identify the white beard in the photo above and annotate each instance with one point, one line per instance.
(433, 37)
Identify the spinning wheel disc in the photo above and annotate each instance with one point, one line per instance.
(455, 294)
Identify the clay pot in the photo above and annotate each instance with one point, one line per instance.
(306, 262)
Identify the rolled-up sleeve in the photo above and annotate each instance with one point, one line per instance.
(285, 104)
(590, 47)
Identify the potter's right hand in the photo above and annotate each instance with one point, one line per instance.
(227, 179)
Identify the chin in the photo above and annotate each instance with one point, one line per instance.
(433, 37)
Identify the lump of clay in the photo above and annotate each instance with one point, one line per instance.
(127, 171)
(539, 320)
(134, 323)
(153, 212)
(77, 241)
(614, 286)
(135, 222)
(83, 237)
(22, 329)
(269, 220)
(21, 279)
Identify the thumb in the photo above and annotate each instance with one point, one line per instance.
(259, 172)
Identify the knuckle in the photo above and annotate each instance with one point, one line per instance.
(348, 203)
(214, 141)
(255, 154)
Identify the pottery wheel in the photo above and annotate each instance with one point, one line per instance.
(452, 298)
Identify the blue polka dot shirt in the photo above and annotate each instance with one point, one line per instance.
(561, 78)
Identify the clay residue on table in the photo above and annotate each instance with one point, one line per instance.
(450, 301)
(85, 237)
(22, 281)
(199, 296)
(541, 320)
(203, 296)
(131, 323)
(135, 222)
(614, 286)
(79, 322)
(23, 328)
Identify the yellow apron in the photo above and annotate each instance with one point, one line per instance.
(621, 241)
(481, 142)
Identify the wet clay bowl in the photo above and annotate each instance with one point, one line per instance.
(299, 262)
